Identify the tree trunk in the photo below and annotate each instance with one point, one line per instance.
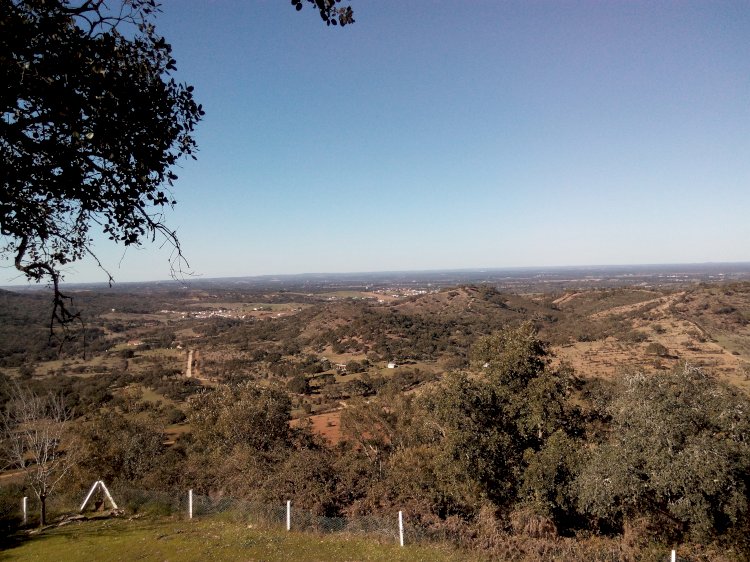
(43, 514)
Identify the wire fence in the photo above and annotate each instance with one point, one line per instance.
(187, 505)
(17, 512)
(292, 517)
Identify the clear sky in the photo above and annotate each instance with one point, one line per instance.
(441, 134)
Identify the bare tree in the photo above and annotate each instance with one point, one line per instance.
(35, 429)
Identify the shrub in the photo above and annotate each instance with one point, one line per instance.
(655, 348)
(677, 457)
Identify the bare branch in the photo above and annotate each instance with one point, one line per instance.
(38, 441)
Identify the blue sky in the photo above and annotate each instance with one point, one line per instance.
(437, 134)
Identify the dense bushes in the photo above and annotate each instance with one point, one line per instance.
(137, 454)
(512, 442)
(665, 454)
(678, 455)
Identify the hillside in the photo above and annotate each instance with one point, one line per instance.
(706, 326)
(600, 332)
(455, 405)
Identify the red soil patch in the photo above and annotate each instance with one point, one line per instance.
(327, 425)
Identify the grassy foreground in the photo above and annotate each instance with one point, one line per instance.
(178, 540)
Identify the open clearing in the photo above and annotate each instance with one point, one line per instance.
(199, 540)
(327, 425)
(686, 325)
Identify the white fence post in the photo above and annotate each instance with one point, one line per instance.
(288, 515)
(674, 555)
(88, 496)
(401, 528)
(190, 503)
(109, 496)
(24, 506)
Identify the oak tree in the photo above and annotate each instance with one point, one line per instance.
(678, 455)
(93, 123)
(511, 415)
(329, 11)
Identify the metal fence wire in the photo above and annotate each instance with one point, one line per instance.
(238, 510)
(273, 515)
(184, 504)
(133, 500)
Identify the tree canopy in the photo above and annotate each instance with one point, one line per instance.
(93, 123)
(329, 11)
(677, 454)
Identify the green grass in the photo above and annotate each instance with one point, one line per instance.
(181, 540)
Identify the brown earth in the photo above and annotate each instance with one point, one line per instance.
(327, 425)
(567, 297)
(685, 323)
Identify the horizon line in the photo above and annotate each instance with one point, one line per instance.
(198, 277)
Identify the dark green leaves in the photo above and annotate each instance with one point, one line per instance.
(92, 125)
(678, 454)
(329, 12)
